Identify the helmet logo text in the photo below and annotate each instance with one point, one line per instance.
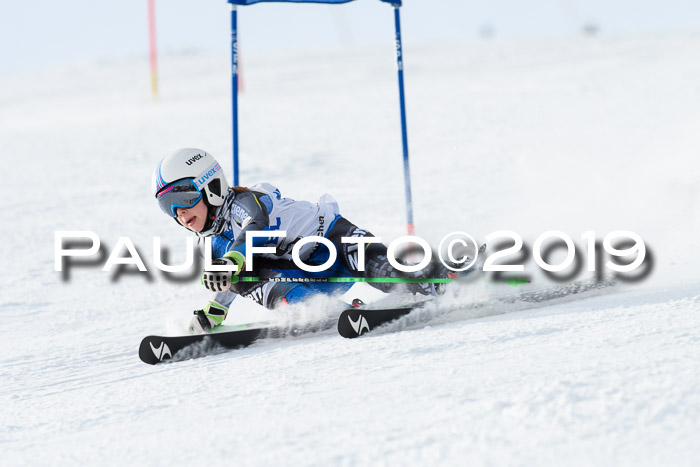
(194, 159)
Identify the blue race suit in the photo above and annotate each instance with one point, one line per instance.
(262, 208)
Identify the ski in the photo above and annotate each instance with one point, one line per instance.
(156, 349)
(354, 322)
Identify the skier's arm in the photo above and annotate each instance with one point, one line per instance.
(249, 212)
(225, 298)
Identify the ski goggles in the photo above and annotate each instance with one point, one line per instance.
(180, 194)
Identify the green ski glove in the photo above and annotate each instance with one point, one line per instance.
(211, 316)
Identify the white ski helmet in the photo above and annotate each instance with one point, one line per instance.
(184, 177)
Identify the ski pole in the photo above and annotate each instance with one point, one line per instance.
(394, 280)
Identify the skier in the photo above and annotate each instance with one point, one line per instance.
(191, 188)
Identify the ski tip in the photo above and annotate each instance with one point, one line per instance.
(153, 349)
(352, 323)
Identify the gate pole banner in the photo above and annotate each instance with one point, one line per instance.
(251, 2)
(402, 101)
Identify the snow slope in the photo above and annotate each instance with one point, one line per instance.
(530, 136)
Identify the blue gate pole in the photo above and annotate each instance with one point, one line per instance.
(234, 89)
(404, 131)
